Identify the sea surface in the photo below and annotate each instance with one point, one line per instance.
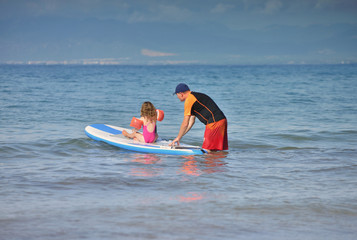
(290, 172)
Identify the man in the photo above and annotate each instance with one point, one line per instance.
(206, 110)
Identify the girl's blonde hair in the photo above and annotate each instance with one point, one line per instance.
(148, 110)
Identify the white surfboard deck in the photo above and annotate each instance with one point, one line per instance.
(113, 136)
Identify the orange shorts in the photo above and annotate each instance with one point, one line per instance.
(216, 137)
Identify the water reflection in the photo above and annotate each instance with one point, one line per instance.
(150, 166)
(147, 159)
(209, 163)
(190, 166)
(191, 197)
(198, 165)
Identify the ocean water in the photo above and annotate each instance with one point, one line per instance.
(290, 172)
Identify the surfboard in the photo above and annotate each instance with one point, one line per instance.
(113, 136)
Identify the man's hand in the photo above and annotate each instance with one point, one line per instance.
(176, 140)
(186, 125)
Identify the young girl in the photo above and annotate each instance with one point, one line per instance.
(148, 116)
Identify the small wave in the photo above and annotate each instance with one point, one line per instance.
(13, 151)
(344, 169)
(50, 148)
(88, 181)
(312, 206)
(81, 147)
(313, 136)
(289, 148)
(246, 145)
(293, 137)
(78, 142)
(343, 133)
(271, 177)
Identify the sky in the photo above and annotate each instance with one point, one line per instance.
(178, 31)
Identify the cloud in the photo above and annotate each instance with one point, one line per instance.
(169, 62)
(160, 12)
(336, 4)
(325, 52)
(206, 31)
(222, 8)
(151, 53)
(272, 6)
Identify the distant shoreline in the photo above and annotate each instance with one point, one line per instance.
(73, 63)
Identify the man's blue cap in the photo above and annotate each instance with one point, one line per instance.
(182, 87)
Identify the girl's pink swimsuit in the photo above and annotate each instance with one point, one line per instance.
(149, 136)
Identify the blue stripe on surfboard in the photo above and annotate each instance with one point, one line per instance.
(105, 128)
(145, 145)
